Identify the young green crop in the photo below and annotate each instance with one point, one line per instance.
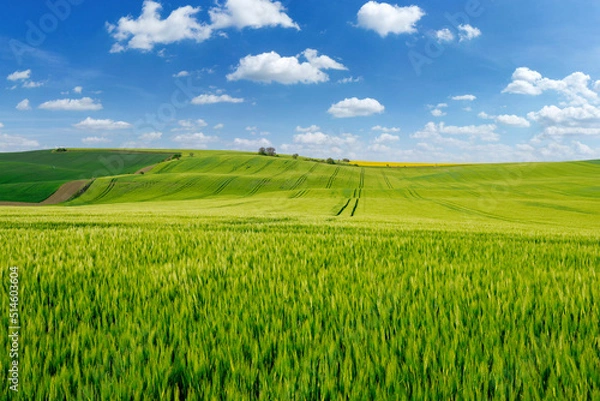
(174, 304)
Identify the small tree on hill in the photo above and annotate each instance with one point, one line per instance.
(271, 152)
(330, 161)
(295, 156)
(262, 151)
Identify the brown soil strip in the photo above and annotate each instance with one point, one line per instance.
(63, 194)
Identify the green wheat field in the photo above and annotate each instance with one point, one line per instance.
(232, 276)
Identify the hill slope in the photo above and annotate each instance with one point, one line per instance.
(34, 176)
(534, 192)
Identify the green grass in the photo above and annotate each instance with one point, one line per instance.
(233, 276)
(34, 176)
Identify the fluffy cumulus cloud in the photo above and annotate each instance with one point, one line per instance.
(386, 138)
(316, 143)
(312, 128)
(106, 125)
(575, 87)
(468, 32)
(24, 78)
(196, 140)
(250, 13)
(507, 119)
(251, 144)
(95, 140)
(150, 136)
(386, 19)
(19, 76)
(181, 74)
(151, 29)
(271, 67)
(78, 90)
(444, 35)
(573, 120)
(23, 105)
(486, 133)
(354, 107)
(467, 97)
(213, 99)
(83, 104)
(219, 126)
(190, 125)
(14, 143)
(385, 129)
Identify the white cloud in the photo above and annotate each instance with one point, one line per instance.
(271, 67)
(468, 98)
(251, 128)
(250, 13)
(78, 89)
(468, 32)
(312, 128)
(574, 87)
(434, 131)
(19, 75)
(83, 104)
(251, 144)
(196, 140)
(513, 120)
(385, 18)
(149, 29)
(385, 129)
(23, 105)
(383, 138)
(181, 74)
(108, 125)
(438, 113)
(444, 35)
(1, 125)
(190, 125)
(151, 136)
(94, 140)
(597, 86)
(349, 80)
(354, 107)
(32, 84)
(16, 143)
(573, 120)
(506, 119)
(219, 126)
(213, 99)
(379, 148)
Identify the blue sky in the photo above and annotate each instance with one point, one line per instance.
(471, 81)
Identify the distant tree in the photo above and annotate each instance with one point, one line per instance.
(271, 152)
(191, 155)
(262, 151)
(61, 149)
(330, 161)
(295, 156)
(346, 160)
(177, 156)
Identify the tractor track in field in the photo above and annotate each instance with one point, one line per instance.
(267, 164)
(332, 178)
(299, 194)
(259, 185)
(223, 185)
(343, 207)
(108, 188)
(302, 179)
(387, 180)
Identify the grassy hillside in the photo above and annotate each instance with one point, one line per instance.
(34, 176)
(540, 193)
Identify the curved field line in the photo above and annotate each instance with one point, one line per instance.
(303, 177)
(332, 178)
(354, 208)
(343, 207)
(387, 180)
(258, 186)
(267, 164)
(223, 185)
(108, 188)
